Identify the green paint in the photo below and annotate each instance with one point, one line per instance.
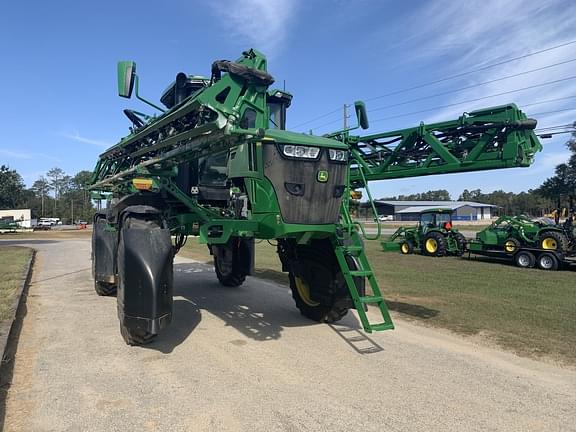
(235, 115)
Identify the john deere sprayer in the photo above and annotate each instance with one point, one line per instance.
(219, 164)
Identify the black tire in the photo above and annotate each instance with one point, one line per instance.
(406, 247)
(134, 336)
(227, 272)
(434, 244)
(105, 288)
(512, 245)
(460, 243)
(547, 261)
(525, 259)
(553, 240)
(102, 288)
(317, 265)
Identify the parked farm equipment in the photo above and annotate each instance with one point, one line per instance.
(528, 242)
(218, 163)
(433, 236)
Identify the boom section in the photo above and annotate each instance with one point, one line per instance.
(492, 138)
(230, 110)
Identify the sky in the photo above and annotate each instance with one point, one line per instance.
(58, 70)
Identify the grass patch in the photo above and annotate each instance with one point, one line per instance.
(531, 312)
(14, 260)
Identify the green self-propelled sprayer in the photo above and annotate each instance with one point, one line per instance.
(218, 163)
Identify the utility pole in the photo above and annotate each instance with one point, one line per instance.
(346, 116)
(72, 208)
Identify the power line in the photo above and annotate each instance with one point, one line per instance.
(476, 99)
(429, 83)
(553, 112)
(548, 101)
(326, 124)
(470, 86)
(555, 127)
(316, 118)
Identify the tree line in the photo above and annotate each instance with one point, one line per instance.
(55, 194)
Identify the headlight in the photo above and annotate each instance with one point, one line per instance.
(338, 155)
(303, 152)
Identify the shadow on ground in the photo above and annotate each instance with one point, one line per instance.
(414, 310)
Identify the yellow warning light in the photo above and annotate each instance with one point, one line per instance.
(355, 195)
(142, 183)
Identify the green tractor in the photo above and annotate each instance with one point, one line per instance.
(510, 233)
(433, 236)
(217, 163)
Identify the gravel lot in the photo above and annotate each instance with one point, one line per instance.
(244, 359)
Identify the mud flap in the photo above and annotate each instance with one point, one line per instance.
(104, 249)
(145, 273)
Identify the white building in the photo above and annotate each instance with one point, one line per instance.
(22, 216)
(410, 210)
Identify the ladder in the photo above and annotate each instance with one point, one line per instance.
(356, 251)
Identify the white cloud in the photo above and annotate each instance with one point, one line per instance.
(77, 137)
(27, 155)
(261, 24)
(462, 36)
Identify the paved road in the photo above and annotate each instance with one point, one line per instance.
(244, 359)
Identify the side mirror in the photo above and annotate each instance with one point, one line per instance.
(361, 114)
(126, 77)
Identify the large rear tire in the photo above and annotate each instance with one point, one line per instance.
(434, 244)
(105, 288)
(104, 245)
(460, 243)
(144, 277)
(554, 241)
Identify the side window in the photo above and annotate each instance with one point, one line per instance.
(248, 119)
(427, 219)
(213, 170)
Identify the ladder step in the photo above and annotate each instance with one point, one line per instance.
(371, 299)
(353, 250)
(361, 273)
(382, 326)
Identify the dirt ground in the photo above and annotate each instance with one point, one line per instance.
(244, 359)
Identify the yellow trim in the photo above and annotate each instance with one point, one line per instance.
(431, 245)
(549, 243)
(304, 292)
(142, 183)
(404, 248)
(510, 246)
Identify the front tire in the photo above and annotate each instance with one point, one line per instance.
(511, 245)
(225, 272)
(317, 284)
(406, 247)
